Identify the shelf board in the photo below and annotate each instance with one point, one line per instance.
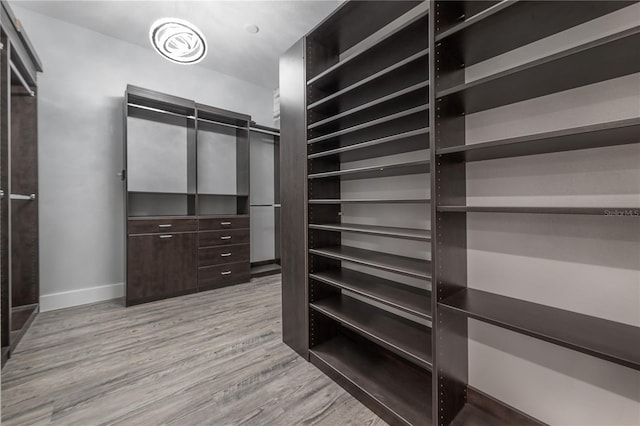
(593, 136)
(382, 231)
(482, 35)
(403, 265)
(370, 201)
(413, 140)
(401, 390)
(345, 28)
(401, 336)
(400, 296)
(368, 105)
(598, 211)
(369, 124)
(609, 340)
(384, 170)
(362, 52)
(617, 54)
(421, 54)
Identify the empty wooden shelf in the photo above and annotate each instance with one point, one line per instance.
(609, 340)
(401, 336)
(413, 140)
(383, 170)
(383, 231)
(507, 25)
(400, 391)
(619, 132)
(617, 54)
(388, 262)
(598, 211)
(370, 201)
(400, 296)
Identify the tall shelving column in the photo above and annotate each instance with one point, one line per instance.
(367, 102)
(467, 33)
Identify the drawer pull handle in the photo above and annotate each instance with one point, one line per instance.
(165, 226)
(226, 237)
(225, 223)
(225, 273)
(225, 255)
(166, 236)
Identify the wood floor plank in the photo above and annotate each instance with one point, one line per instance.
(208, 358)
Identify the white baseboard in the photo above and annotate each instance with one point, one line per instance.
(67, 299)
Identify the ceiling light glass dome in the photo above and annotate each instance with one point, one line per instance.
(177, 40)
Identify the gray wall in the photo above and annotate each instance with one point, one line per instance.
(80, 127)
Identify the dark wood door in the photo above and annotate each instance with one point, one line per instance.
(160, 265)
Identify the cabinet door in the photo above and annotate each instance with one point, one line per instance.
(160, 265)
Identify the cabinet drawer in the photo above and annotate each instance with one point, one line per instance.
(160, 265)
(230, 222)
(162, 226)
(220, 238)
(220, 276)
(223, 254)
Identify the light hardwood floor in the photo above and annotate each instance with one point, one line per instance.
(213, 358)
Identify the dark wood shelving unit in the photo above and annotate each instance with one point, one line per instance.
(466, 33)
(398, 390)
(617, 53)
(382, 231)
(364, 95)
(614, 133)
(403, 337)
(383, 170)
(403, 265)
(412, 300)
(609, 340)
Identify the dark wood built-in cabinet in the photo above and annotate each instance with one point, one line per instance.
(19, 234)
(387, 79)
(187, 198)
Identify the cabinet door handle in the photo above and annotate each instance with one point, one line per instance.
(225, 254)
(165, 226)
(166, 236)
(225, 273)
(225, 223)
(226, 237)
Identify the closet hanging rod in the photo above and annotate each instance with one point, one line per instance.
(266, 132)
(29, 197)
(21, 78)
(161, 111)
(265, 205)
(221, 124)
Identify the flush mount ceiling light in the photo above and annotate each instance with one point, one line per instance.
(178, 40)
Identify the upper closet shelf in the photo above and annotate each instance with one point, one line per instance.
(368, 124)
(385, 170)
(361, 54)
(369, 105)
(609, 340)
(421, 54)
(508, 25)
(593, 136)
(610, 57)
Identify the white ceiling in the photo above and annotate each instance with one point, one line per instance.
(232, 50)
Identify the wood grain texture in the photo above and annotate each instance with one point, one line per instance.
(148, 365)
